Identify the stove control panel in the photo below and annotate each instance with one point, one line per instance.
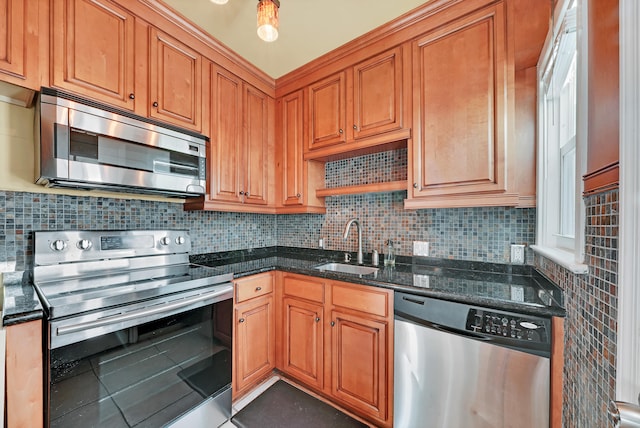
(518, 327)
(72, 246)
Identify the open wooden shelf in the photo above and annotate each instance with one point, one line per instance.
(389, 186)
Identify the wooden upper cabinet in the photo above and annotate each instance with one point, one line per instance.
(362, 106)
(19, 41)
(257, 146)
(93, 51)
(175, 84)
(226, 136)
(297, 178)
(291, 139)
(460, 111)
(327, 111)
(377, 94)
(241, 143)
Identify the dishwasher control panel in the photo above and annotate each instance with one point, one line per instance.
(518, 327)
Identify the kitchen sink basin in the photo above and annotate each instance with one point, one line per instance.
(344, 268)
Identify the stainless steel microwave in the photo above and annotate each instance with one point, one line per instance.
(87, 145)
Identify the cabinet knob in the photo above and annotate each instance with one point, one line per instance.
(317, 319)
(132, 96)
(298, 195)
(258, 288)
(333, 323)
(355, 127)
(241, 320)
(155, 104)
(241, 193)
(341, 131)
(246, 193)
(415, 185)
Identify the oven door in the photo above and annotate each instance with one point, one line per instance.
(170, 367)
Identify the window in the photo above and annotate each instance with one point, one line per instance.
(560, 212)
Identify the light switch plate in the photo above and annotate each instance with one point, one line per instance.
(517, 254)
(421, 248)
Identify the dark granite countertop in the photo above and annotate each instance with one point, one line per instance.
(497, 286)
(20, 301)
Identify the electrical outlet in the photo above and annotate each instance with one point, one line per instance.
(517, 254)
(421, 281)
(517, 293)
(420, 248)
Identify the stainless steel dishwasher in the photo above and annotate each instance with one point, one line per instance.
(458, 365)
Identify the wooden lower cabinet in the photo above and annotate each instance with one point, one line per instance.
(337, 339)
(24, 375)
(359, 363)
(303, 347)
(254, 334)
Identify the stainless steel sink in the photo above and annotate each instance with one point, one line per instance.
(350, 269)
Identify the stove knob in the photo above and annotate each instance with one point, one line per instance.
(58, 245)
(165, 241)
(180, 240)
(84, 244)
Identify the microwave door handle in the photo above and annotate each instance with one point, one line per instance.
(74, 328)
(175, 165)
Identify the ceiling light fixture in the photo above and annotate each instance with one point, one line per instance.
(220, 1)
(268, 19)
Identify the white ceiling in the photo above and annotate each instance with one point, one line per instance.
(308, 28)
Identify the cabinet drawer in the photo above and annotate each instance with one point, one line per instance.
(361, 298)
(304, 288)
(254, 286)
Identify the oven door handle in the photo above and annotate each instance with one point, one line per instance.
(159, 309)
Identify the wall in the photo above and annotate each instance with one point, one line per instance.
(591, 323)
(481, 234)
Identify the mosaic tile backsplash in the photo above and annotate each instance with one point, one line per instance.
(479, 234)
(591, 323)
(22, 213)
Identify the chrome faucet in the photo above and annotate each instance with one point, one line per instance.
(346, 233)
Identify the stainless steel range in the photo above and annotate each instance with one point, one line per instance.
(136, 335)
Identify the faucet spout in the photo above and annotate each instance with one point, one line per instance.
(355, 221)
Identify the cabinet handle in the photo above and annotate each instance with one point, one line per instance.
(155, 104)
(317, 319)
(341, 131)
(415, 185)
(355, 127)
(258, 288)
(246, 193)
(241, 320)
(241, 193)
(298, 195)
(333, 323)
(132, 96)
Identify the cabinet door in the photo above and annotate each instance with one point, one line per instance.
(256, 146)
(327, 112)
(93, 50)
(291, 135)
(303, 338)
(360, 355)
(175, 86)
(459, 106)
(377, 94)
(226, 136)
(254, 344)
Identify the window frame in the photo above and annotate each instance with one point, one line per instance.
(568, 252)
